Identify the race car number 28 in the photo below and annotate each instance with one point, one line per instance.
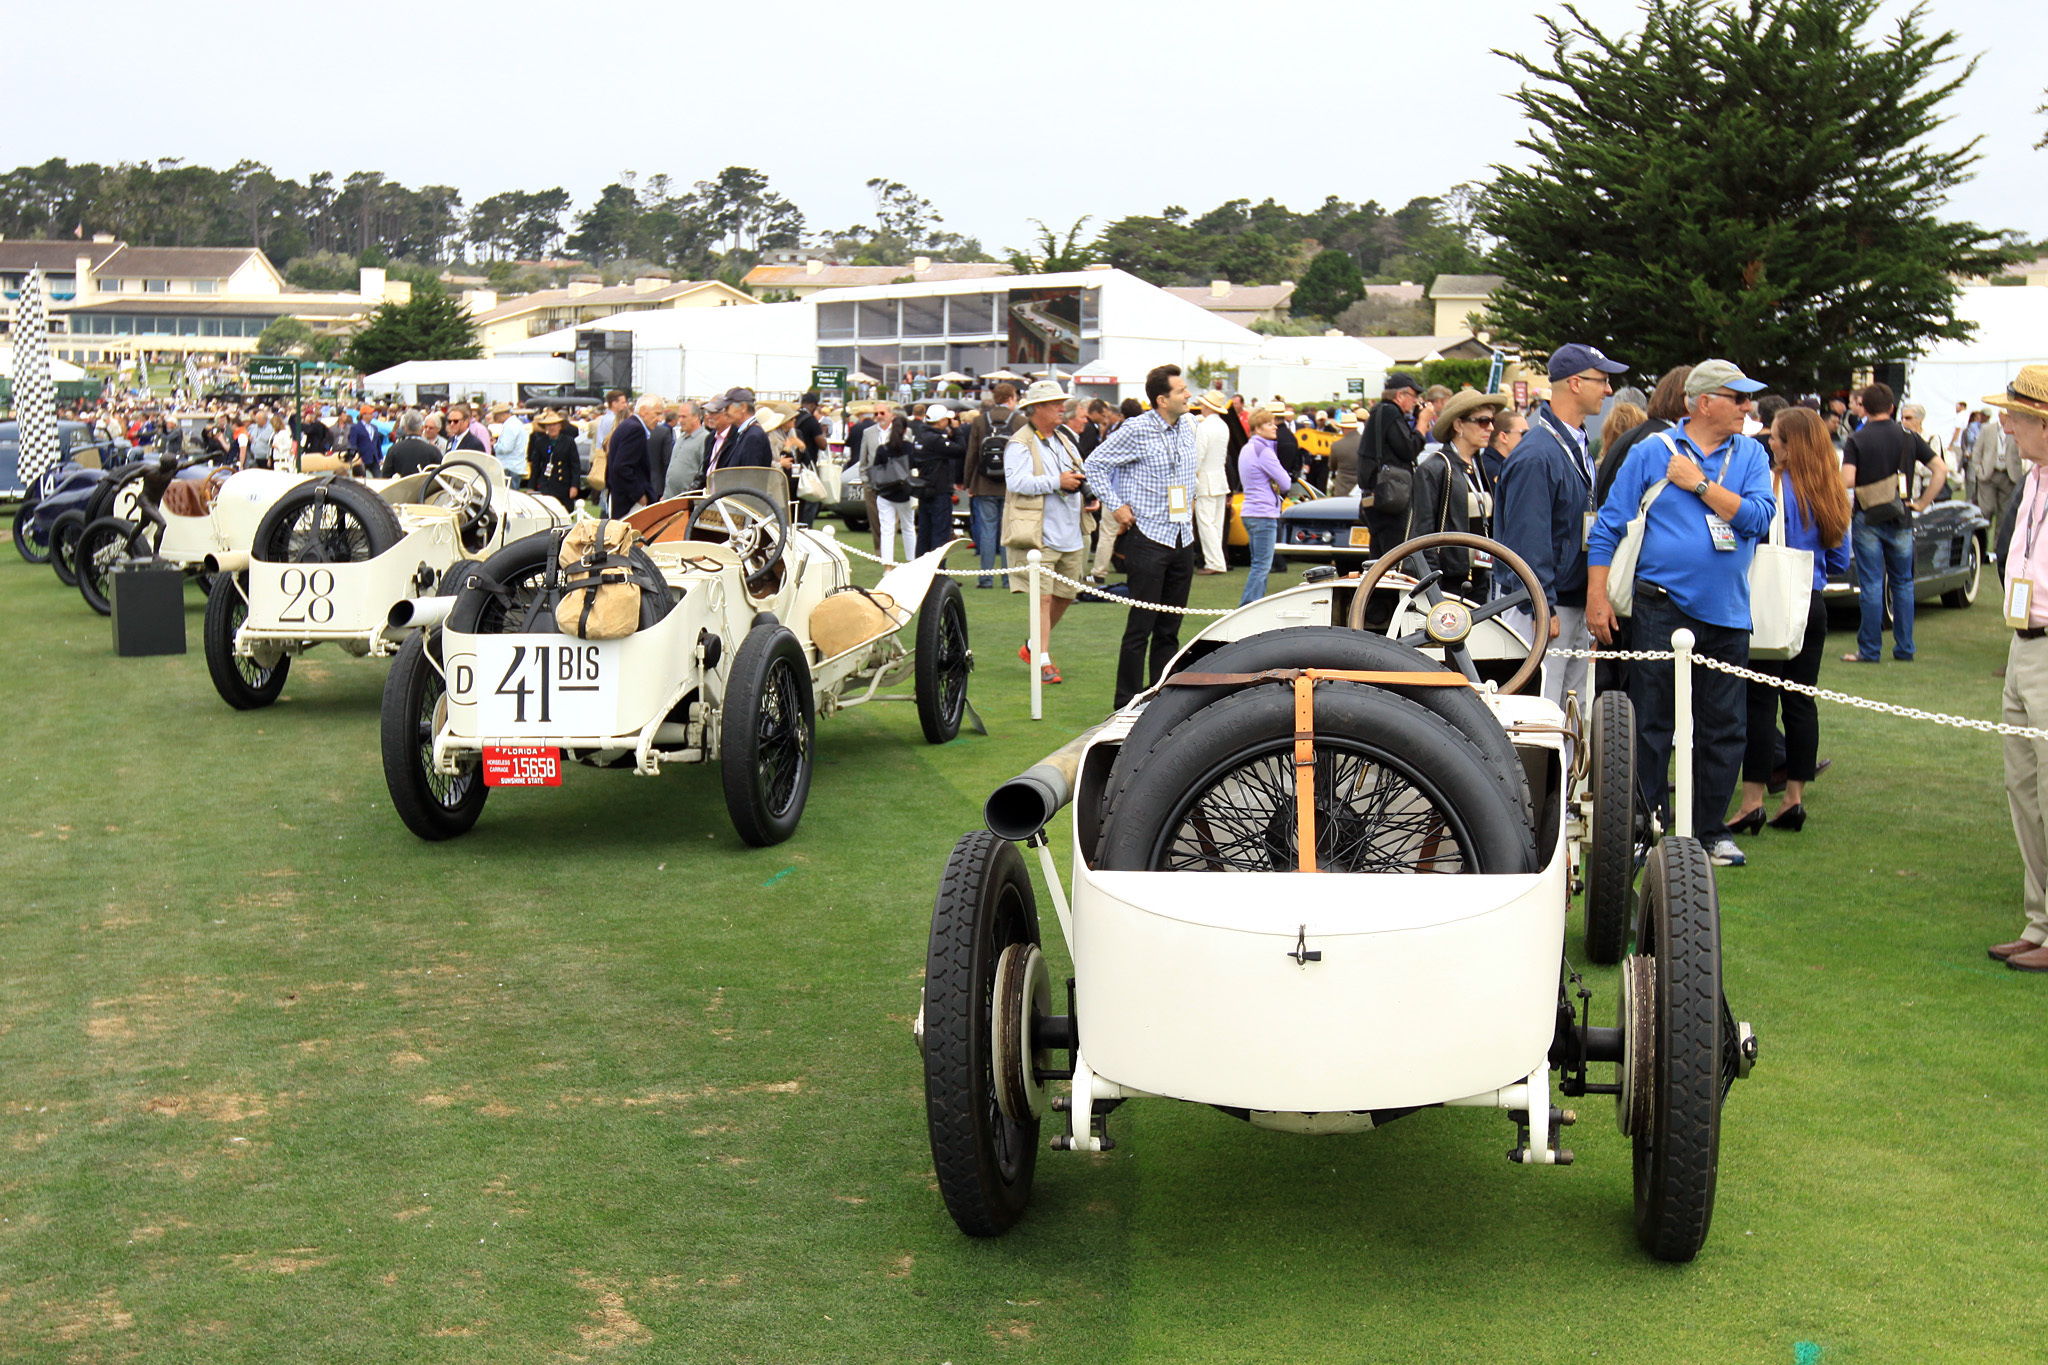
(568, 688)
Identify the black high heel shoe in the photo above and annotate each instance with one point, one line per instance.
(1792, 819)
(1748, 824)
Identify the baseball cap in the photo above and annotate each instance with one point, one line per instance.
(1574, 357)
(717, 404)
(1710, 375)
(737, 395)
(1398, 380)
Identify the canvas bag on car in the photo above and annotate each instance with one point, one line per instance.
(600, 600)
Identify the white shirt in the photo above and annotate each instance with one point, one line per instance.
(1212, 452)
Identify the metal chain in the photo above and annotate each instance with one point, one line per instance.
(1989, 727)
(1088, 588)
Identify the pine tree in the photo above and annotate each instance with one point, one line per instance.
(1754, 183)
(432, 326)
(1329, 285)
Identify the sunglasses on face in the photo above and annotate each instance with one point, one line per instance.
(1478, 421)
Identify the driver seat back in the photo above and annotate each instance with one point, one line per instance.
(769, 482)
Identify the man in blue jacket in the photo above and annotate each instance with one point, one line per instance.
(1692, 570)
(1543, 506)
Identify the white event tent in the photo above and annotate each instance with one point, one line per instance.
(697, 352)
(495, 380)
(2012, 330)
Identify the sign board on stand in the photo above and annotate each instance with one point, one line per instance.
(828, 377)
(1356, 386)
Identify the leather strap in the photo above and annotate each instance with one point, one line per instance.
(1304, 773)
(1383, 677)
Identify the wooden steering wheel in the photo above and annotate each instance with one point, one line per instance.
(1448, 623)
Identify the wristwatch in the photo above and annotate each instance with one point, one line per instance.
(1700, 488)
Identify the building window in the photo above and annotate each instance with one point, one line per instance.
(975, 360)
(110, 286)
(836, 355)
(188, 327)
(1091, 310)
(878, 362)
(209, 327)
(156, 286)
(924, 317)
(877, 318)
(974, 315)
(835, 322)
(206, 286)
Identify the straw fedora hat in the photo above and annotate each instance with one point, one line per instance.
(1215, 400)
(548, 417)
(1463, 404)
(2028, 392)
(770, 419)
(1043, 391)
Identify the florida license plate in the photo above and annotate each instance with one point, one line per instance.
(1361, 537)
(523, 765)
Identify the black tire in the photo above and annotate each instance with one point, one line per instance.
(432, 805)
(943, 661)
(242, 682)
(1610, 861)
(64, 533)
(983, 1160)
(1959, 598)
(769, 740)
(1399, 789)
(101, 546)
(31, 544)
(1677, 1148)
(326, 521)
(100, 502)
(1321, 647)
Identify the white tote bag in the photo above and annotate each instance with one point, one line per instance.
(1780, 592)
(1621, 571)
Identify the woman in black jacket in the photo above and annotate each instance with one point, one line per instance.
(941, 451)
(554, 468)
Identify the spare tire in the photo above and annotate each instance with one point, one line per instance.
(1398, 789)
(1319, 647)
(100, 502)
(508, 594)
(326, 521)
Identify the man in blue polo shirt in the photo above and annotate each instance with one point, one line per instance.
(1693, 571)
(1544, 502)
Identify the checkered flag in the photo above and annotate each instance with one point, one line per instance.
(35, 395)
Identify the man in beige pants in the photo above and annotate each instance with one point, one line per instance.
(2023, 565)
(1212, 480)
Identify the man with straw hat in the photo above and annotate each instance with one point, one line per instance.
(1212, 477)
(2023, 565)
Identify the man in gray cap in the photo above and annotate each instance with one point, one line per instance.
(745, 442)
(1692, 570)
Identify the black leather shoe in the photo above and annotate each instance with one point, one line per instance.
(1748, 824)
(1792, 819)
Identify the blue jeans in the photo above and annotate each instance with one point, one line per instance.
(1884, 553)
(1262, 531)
(985, 524)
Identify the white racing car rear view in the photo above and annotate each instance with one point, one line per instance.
(1320, 881)
(702, 630)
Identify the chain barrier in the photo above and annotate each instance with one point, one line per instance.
(1044, 572)
(1989, 727)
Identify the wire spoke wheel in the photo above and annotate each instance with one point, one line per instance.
(434, 805)
(321, 533)
(943, 661)
(245, 681)
(1370, 816)
(769, 720)
(782, 739)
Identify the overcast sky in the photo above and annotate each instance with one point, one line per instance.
(1362, 101)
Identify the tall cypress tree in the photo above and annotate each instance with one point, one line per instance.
(432, 326)
(1751, 182)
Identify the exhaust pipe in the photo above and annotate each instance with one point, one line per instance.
(227, 561)
(422, 613)
(1026, 804)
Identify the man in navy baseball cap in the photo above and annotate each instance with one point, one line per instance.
(1544, 504)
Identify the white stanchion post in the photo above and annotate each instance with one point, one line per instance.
(1681, 729)
(1033, 559)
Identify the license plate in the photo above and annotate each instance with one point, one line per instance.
(1361, 537)
(522, 766)
(529, 689)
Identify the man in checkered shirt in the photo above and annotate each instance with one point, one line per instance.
(1144, 473)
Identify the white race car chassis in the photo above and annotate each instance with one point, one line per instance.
(1311, 1001)
(293, 607)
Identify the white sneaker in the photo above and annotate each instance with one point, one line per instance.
(1724, 853)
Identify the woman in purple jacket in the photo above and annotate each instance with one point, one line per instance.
(1265, 482)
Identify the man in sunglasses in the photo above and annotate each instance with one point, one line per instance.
(1699, 534)
(1543, 508)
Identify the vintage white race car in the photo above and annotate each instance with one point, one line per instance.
(1421, 965)
(335, 560)
(728, 665)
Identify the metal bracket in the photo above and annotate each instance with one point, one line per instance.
(1303, 954)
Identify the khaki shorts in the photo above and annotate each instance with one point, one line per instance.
(1072, 563)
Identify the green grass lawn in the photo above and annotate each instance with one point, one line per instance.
(281, 1082)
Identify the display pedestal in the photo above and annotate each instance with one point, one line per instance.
(149, 611)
